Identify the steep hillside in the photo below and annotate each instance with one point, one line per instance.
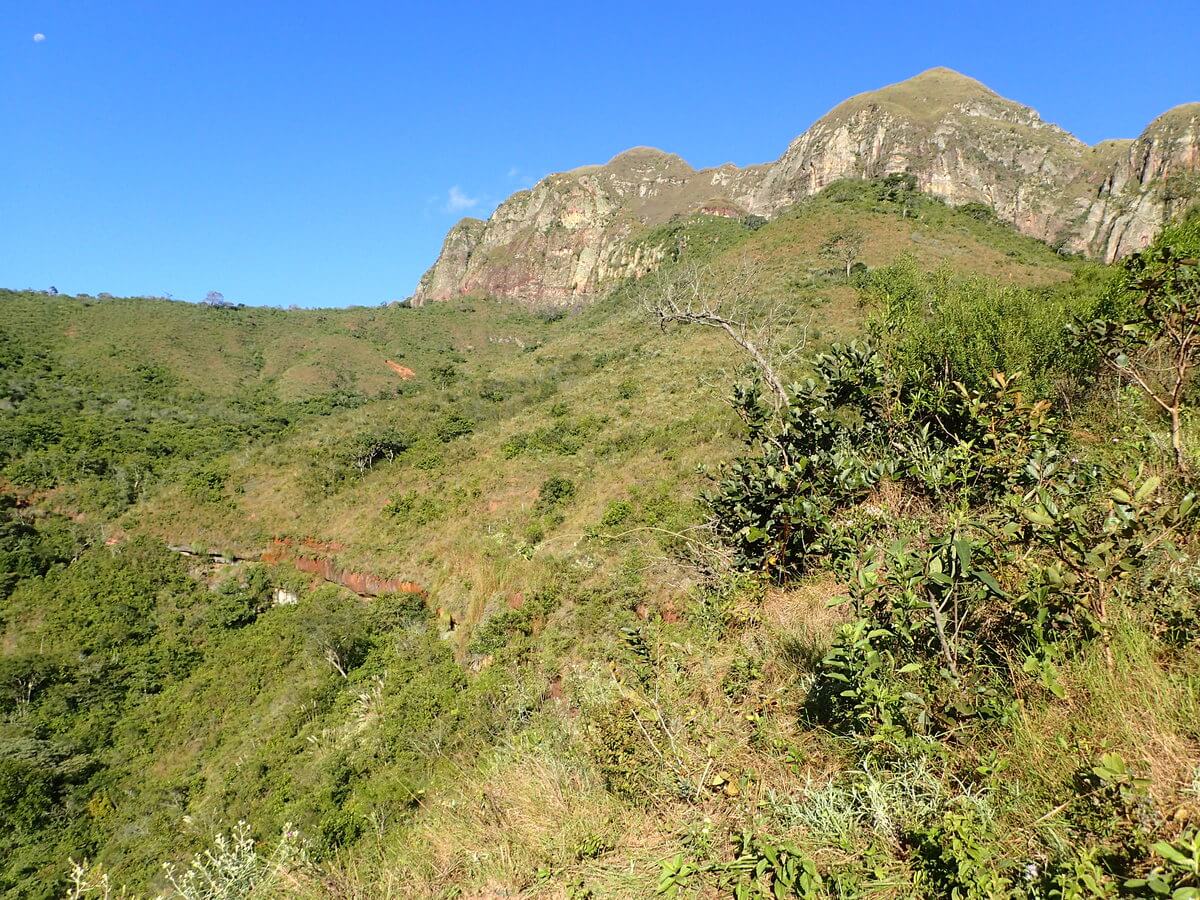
(568, 237)
(573, 364)
(563, 606)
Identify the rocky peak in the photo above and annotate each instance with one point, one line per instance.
(569, 236)
(1138, 185)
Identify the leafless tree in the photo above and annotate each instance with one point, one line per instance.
(769, 331)
(335, 656)
(1159, 350)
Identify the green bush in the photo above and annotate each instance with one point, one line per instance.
(453, 426)
(935, 327)
(555, 491)
(206, 484)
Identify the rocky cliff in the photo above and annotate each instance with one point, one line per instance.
(569, 236)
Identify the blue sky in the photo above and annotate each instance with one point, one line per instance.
(316, 153)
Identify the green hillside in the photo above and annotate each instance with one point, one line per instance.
(927, 628)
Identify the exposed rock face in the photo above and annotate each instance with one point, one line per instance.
(963, 143)
(568, 237)
(1150, 180)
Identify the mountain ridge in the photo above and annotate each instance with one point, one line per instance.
(570, 235)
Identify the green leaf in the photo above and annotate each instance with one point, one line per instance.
(1148, 488)
(991, 583)
(962, 549)
(1166, 851)
(1038, 516)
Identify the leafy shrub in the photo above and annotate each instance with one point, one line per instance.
(763, 868)
(414, 508)
(453, 426)
(367, 448)
(852, 426)
(980, 212)
(564, 438)
(444, 375)
(335, 629)
(392, 611)
(619, 743)
(27, 794)
(1146, 334)
(507, 628)
(958, 858)
(896, 186)
(234, 867)
(616, 513)
(935, 328)
(493, 390)
(774, 504)
(1180, 876)
(206, 484)
(627, 389)
(555, 492)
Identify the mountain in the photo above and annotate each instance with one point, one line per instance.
(570, 236)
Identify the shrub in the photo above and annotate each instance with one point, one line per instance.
(564, 438)
(368, 447)
(959, 858)
(234, 867)
(620, 744)
(444, 375)
(415, 509)
(206, 484)
(453, 426)
(936, 328)
(555, 492)
(618, 512)
(980, 212)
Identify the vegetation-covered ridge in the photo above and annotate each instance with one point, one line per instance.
(849, 554)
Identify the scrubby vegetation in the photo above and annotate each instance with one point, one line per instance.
(919, 620)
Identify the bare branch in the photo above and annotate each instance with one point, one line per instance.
(759, 327)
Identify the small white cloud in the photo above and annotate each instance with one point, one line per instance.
(514, 172)
(38, 38)
(457, 201)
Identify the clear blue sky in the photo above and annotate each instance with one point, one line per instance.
(316, 152)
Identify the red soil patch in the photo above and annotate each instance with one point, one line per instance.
(403, 371)
(363, 583)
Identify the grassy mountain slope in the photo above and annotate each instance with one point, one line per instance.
(589, 690)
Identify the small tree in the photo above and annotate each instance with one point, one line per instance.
(766, 330)
(335, 627)
(1151, 336)
(845, 246)
(214, 298)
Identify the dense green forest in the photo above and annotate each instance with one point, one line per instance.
(895, 595)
